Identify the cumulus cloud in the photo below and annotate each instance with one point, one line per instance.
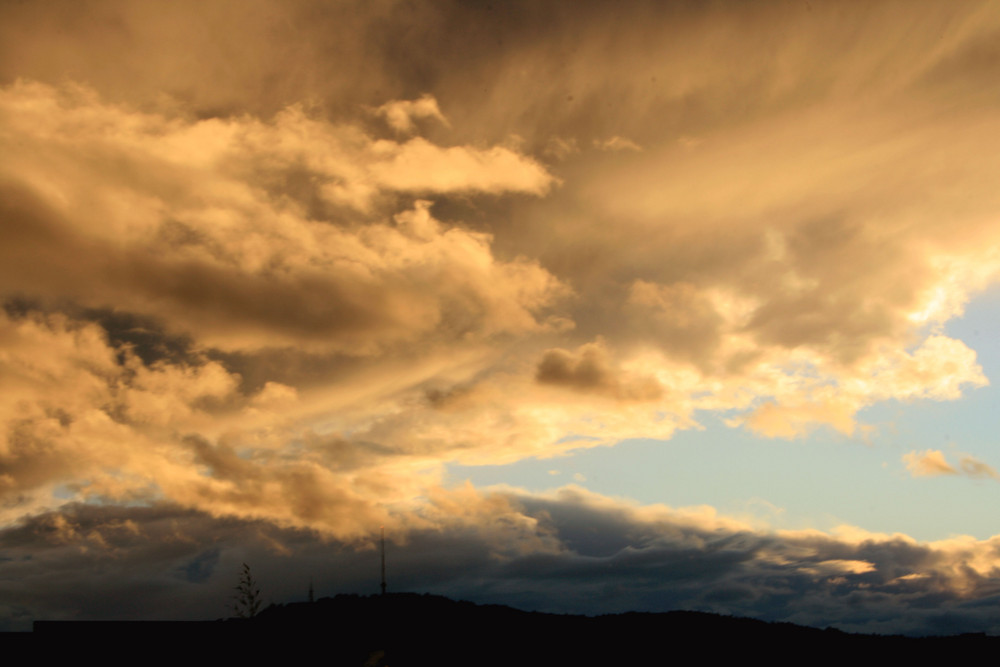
(803, 402)
(200, 241)
(181, 226)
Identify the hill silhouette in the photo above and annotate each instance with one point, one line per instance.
(412, 629)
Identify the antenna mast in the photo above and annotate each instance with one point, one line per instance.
(383, 560)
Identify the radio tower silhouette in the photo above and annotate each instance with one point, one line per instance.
(383, 560)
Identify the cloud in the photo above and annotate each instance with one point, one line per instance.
(932, 463)
(158, 270)
(803, 402)
(790, 421)
(617, 143)
(680, 318)
(928, 463)
(264, 294)
(246, 217)
(419, 166)
(246, 236)
(565, 551)
(401, 114)
(198, 240)
(589, 371)
(975, 468)
(560, 149)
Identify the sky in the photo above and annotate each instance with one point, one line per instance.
(595, 307)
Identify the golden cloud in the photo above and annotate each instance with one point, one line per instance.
(932, 462)
(785, 245)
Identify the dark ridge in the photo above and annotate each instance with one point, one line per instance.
(411, 629)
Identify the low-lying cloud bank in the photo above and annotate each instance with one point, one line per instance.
(569, 551)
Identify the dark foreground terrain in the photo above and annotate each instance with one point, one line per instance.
(408, 629)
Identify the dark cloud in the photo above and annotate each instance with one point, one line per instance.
(145, 337)
(169, 563)
(589, 370)
(596, 557)
(200, 568)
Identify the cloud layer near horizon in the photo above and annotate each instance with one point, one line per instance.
(566, 552)
(279, 291)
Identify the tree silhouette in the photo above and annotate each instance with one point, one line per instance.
(247, 598)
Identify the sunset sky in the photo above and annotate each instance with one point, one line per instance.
(596, 307)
